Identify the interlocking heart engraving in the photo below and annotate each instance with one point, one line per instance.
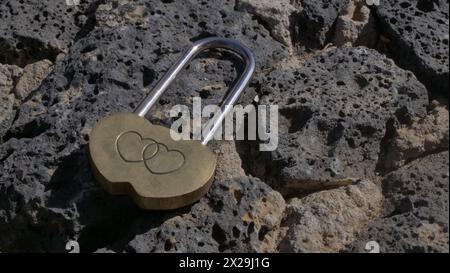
(157, 157)
(130, 155)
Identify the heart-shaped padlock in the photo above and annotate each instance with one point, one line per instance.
(129, 155)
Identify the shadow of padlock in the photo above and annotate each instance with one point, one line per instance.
(130, 155)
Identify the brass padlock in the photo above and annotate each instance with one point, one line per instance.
(129, 155)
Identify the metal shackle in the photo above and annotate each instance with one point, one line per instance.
(198, 47)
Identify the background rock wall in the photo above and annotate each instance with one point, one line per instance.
(363, 97)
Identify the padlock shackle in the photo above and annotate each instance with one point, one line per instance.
(198, 47)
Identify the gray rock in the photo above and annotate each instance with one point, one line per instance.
(274, 15)
(316, 20)
(45, 178)
(415, 217)
(238, 215)
(335, 112)
(341, 110)
(418, 33)
(34, 30)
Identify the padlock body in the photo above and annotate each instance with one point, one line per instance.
(130, 155)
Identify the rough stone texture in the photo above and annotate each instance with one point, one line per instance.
(15, 85)
(334, 114)
(9, 75)
(114, 14)
(418, 31)
(415, 216)
(47, 192)
(421, 137)
(341, 110)
(274, 15)
(32, 76)
(356, 26)
(327, 221)
(228, 160)
(315, 21)
(35, 30)
(238, 215)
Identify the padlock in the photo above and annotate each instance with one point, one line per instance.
(130, 155)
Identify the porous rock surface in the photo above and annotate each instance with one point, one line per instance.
(315, 21)
(35, 30)
(418, 34)
(415, 214)
(362, 156)
(274, 15)
(335, 111)
(238, 215)
(45, 172)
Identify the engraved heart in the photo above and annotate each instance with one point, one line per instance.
(134, 148)
(166, 161)
(131, 146)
